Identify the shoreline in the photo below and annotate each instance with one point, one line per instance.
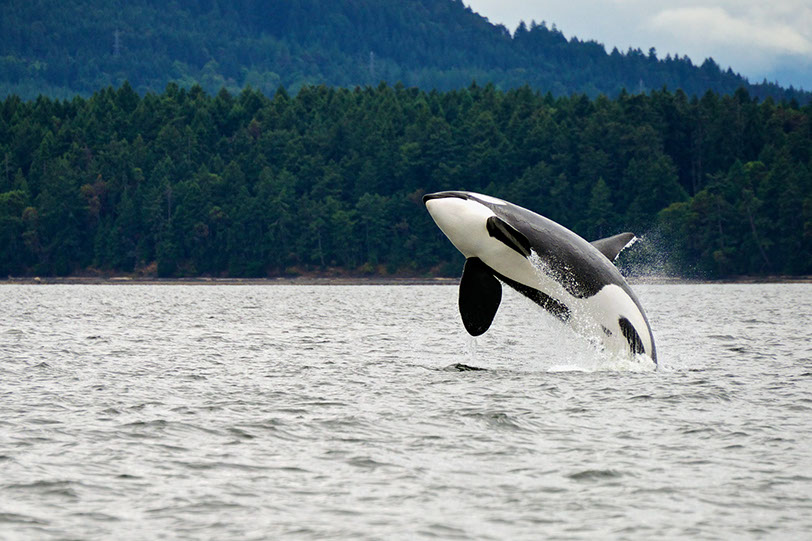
(357, 280)
(203, 281)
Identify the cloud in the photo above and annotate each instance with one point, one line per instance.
(758, 38)
(715, 26)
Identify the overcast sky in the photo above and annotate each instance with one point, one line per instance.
(758, 38)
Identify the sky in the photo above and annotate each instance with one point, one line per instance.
(759, 39)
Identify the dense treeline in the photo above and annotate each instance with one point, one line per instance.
(185, 183)
(61, 49)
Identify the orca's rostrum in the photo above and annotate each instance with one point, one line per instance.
(573, 279)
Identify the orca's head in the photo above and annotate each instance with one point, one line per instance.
(463, 218)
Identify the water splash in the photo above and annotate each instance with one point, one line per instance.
(582, 338)
(651, 260)
(471, 350)
(527, 339)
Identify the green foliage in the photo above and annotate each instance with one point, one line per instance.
(186, 183)
(61, 49)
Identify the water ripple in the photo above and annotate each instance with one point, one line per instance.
(231, 412)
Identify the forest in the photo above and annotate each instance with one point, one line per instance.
(61, 49)
(187, 183)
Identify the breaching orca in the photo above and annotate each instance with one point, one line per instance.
(572, 279)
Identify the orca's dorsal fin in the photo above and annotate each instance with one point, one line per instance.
(480, 295)
(612, 246)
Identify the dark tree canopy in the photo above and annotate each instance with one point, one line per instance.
(189, 183)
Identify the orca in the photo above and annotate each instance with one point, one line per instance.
(576, 281)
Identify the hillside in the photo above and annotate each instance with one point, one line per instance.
(78, 46)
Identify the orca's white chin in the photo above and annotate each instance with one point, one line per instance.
(463, 221)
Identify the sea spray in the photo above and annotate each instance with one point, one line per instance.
(471, 350)
(651, 260)
(583, 337)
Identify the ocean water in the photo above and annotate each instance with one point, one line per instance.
(330, 412)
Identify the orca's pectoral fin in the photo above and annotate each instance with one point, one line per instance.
(480, 295)
(612, 246)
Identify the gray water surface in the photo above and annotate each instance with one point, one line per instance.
(312, 412)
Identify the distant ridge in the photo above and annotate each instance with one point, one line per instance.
(76, 47)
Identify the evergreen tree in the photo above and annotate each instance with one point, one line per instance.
(186, 183)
